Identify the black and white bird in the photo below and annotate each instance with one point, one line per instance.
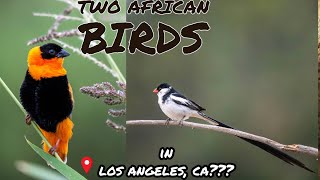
(179, 108)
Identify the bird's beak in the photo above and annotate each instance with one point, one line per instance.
(62, 54)
(155, 91)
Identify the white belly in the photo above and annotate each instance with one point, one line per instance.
(175, 111)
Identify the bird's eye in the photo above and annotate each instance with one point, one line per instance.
(52, 52)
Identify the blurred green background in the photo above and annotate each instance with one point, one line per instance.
(256, 71)
(91, 135)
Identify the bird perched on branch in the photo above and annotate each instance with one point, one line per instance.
(178, 107)
(47, 97)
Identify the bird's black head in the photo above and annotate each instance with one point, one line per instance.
(161, 86)
(51, 50)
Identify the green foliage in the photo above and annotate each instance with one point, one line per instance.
(37, 171)
(65, 170)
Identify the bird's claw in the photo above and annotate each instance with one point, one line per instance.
(52, 150)
(28, 119)
(167, 121)
(181, 123)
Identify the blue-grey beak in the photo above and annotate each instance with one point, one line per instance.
(62, 54)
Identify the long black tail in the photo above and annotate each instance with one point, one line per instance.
(281, 155)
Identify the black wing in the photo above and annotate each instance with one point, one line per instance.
(27, 95)
(182, 100)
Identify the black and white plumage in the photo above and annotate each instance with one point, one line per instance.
(178, 107)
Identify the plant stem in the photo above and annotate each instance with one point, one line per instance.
(12, 96)
(115, 68)
(36, 127)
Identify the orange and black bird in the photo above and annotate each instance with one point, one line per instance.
(47, 97)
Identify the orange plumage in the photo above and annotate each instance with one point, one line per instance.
(41, 68)
(63, 134)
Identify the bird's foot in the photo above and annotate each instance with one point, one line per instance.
(28, 119)
(181, 123)
(53, 149)
(167, 121)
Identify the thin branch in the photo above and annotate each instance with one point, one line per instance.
(55, 16)
(55, 35)
(86, 15)
(59, 19)
(52, 32)
(290, 148)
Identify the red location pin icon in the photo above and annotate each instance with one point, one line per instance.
(86, 163)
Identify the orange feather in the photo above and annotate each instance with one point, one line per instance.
(63, 133)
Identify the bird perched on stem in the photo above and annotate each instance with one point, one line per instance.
(47, 97)
(178, 107)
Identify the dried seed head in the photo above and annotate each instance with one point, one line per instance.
(117, 113)
(112, 101)
(122, 85)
